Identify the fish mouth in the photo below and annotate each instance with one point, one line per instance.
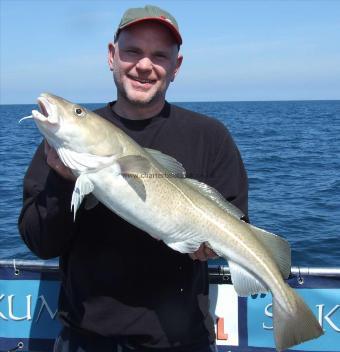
(48, 110)
(44, 106)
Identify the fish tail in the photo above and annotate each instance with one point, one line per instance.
(293, 324)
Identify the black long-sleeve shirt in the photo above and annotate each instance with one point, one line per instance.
(117, 280)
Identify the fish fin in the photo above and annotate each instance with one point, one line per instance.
(171, 164)
(294, 326)
(134, 164)
(137, 185)
(188, 246)
(278, 247)
(91, 202)
(82, 187)
(245, 283)
(215, 196)
(131, 167)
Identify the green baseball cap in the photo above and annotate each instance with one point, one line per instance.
(149, 13)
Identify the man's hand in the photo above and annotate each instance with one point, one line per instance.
(56, 164)
(203, 253)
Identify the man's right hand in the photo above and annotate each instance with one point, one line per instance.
(56, 164)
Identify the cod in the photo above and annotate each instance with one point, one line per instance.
(149, 189)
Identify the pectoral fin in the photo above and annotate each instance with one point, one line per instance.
(134, 164)
(82, 187)
(132, 168)
(137, 185)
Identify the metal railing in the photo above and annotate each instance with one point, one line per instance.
(218, 274)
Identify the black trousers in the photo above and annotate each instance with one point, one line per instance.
(70, 341)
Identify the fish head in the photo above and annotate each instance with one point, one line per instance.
(59, 120)
(71, 126)
(83, 140)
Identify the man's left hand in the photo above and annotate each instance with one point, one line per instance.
(203, 253)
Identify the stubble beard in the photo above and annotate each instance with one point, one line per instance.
(123, 93)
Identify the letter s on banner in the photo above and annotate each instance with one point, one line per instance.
(268, 313)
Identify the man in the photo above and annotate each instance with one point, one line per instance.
(119, 285)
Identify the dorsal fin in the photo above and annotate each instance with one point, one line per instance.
(215, 196)
(171, 164)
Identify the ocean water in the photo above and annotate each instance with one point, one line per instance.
(291, 151)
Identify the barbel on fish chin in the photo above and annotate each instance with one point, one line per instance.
(182, 212)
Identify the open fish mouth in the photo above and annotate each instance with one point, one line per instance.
(47, 113)
(44, 106)
(48, 110)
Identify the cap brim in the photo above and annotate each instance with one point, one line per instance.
(172, 28)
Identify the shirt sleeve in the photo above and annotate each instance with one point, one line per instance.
(228, 173)
(46, 222)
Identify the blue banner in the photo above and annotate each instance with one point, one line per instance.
(28, 309)
(246, 325)
(325, 304)
(28, 313)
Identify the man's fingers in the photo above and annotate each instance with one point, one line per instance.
(192, 256)
(203, 253)
(199, 254)
(209, 253)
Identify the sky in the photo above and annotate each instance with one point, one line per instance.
(233, 50)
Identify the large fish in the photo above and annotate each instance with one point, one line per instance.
(149, 189)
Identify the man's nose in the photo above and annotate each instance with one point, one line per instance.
(144, 64)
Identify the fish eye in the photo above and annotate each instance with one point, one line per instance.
(79, 111)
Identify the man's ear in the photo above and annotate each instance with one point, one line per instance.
(178, 65)
(110, 55)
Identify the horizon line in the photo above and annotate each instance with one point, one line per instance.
(207, 101)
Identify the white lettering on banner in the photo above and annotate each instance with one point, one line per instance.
(322, 316)
(268, 313)
(1, 314)
(28, 315)
(28, 308)
(45, 304)
(327, 317)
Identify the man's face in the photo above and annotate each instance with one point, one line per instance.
(144, 61)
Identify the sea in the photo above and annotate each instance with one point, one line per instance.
(291, 150)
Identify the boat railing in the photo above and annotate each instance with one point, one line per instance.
(218, 274)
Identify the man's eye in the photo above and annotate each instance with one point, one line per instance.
(161, 56)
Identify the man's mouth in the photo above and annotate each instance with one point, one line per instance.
(142, 80)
